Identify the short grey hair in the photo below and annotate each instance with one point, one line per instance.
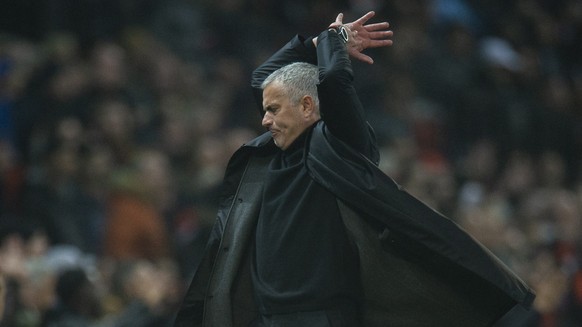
(299, 79)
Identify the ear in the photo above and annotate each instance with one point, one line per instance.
(308, 106)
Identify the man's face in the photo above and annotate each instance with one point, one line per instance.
(283, 118)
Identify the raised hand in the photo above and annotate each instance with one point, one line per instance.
(364, 36)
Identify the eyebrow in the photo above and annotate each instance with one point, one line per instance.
(269, 107)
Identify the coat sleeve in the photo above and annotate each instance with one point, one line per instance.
(340, 105)
(299, 49)
(433, 252)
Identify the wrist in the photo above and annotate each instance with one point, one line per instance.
(342, 32)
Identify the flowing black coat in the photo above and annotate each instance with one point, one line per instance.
(418, 268)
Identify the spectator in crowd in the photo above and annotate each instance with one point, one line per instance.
(77, 301)
(135, 225)
(142, 295)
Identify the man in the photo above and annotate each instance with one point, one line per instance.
(77, 301)
(311, 233)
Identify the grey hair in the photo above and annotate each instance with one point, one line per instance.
(299, 79)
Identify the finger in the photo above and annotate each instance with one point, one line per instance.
(364, 58)
(362, 20)
(380, 35)
(379, 43)
(339, 18)
(338, 21)
(376, 26)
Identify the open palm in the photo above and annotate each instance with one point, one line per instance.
(364, 36)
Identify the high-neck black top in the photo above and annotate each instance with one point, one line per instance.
(303, 259)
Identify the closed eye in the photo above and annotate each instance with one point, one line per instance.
(271, 109)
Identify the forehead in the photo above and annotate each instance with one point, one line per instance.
(274, 92)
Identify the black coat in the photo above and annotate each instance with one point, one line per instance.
(418, 268)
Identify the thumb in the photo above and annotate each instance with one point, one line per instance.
(339, 18)
(338, 21)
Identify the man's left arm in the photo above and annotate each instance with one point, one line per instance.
(299, 49)
(340, 106)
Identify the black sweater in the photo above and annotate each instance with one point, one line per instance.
(303, 259)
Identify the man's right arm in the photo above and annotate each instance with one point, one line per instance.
(299, 49)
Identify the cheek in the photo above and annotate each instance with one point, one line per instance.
(281, 122)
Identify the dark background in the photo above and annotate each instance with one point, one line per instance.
(117, 119)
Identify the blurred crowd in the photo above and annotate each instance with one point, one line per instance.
(117, 119)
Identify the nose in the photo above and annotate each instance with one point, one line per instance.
(267, 120)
